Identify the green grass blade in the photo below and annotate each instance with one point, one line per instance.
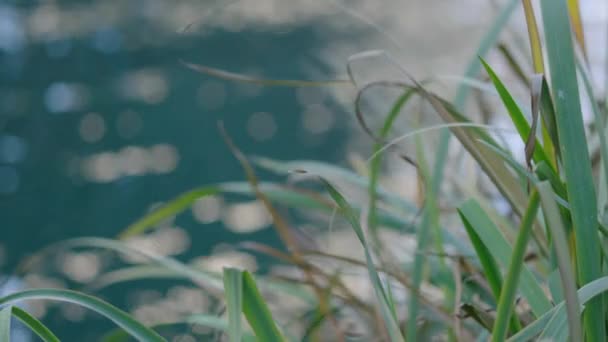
(233, 289)
(560, 245)
(5, 324)
(172, 208)
(389, 316)
(35, 325)
(376, 163)
(585, 294)
(217, 323)
(257, 313)
(507, 295)
(500, 248)
(490, 266)
(429, 224)
(597, 118)
(488, 263)
(517, 116)
(208, 278)
(121, 318)
(575, 156)
(330, 171)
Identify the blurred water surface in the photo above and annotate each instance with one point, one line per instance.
(100, 122)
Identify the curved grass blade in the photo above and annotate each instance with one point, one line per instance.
(121, 318)
(133, 273)
(172, 208)
(233, 289)
(210, 279)
(575, 156)
(330, 171)
(585, 294)
(232, 76)
(568, 280)
(257, 313)
(35, 325)
(5, 324)
(204, 320)
(389, 316)
(376, 163)
(516, 263)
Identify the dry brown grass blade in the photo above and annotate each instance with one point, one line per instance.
(577, 26)
(534, 38)
(282, 228)
(514, 64)
(348, 297)
(232, 76)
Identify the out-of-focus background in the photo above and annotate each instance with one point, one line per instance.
(100, 121)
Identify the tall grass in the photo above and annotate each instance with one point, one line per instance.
(493, 282)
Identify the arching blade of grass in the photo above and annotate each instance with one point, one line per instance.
(389, 316)
(5, 324)
(172, 208)
(132, 273)
(210, 279)
(121, 318)
(233, 76)
(376, 164)
(330, 171)
(204, 320)
(560, 245)
(501, 250)
(516, 263)
(35, 325)
(585, 294)
(257, 313)
(575, 156)
(233, 289)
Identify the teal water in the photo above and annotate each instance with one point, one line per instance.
(67, 101)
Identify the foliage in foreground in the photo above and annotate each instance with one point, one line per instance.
(539, 275)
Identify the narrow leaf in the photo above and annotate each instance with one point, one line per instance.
(121, 318)
(233, 289)
(575, 156)
(560, 245)
(257, 313)
(5, 324)
(35, 325)
(507, 295)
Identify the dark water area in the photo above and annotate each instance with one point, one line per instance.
(97, 127)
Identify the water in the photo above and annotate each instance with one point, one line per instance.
(98, 125)
(100, 121)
